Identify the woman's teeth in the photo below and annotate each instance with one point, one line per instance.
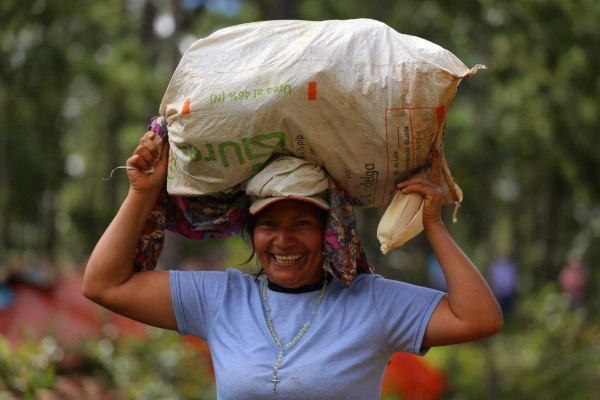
(286, 259)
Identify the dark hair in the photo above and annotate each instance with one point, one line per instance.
(248, 236)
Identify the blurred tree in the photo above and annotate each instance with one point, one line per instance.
(80, 80)
(33, 81)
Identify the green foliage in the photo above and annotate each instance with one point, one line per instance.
(546, 351)
(162, 366)
(28, 368)
(560, 345)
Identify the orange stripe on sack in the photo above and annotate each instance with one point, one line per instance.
(440, 113)
(186, 107)
(312, 90)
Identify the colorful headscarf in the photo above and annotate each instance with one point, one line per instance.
(225, 213)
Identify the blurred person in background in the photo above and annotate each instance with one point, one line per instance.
(573, 281)
(504, 281)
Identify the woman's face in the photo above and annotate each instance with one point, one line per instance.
(288, 238)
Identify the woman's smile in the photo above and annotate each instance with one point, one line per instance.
(286, 259)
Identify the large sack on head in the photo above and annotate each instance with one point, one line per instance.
(355, 96)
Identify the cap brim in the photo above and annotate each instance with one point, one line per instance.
(260, 204)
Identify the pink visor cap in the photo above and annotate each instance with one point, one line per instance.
(288, 178)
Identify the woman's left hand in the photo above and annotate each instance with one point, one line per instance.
(430, 188)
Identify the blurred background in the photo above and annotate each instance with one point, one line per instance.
(80, 80)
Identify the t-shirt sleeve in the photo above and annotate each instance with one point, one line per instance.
(196, 297)
(404, 311)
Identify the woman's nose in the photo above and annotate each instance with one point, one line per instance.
(284, 238)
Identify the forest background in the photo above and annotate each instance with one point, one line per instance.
(79, 81)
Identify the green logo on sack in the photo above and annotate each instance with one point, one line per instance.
(251, 148)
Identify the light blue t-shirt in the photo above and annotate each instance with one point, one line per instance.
(344, 353)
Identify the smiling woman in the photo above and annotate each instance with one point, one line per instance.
(288, 240)
(301, 326)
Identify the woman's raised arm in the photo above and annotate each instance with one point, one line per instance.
(469, 311)
(110, 279)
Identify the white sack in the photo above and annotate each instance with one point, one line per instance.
(360, 99)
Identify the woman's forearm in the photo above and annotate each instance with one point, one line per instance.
(469, 296)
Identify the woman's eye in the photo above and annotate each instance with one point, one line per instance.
(304, 223)
(265, 224)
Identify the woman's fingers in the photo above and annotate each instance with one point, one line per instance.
(422, 186)
(429, 187)
(141, 159)
(145, 154)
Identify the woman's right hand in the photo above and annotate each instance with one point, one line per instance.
(143, 158)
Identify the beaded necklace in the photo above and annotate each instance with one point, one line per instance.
(299, 335)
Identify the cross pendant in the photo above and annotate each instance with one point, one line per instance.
(275, 381)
